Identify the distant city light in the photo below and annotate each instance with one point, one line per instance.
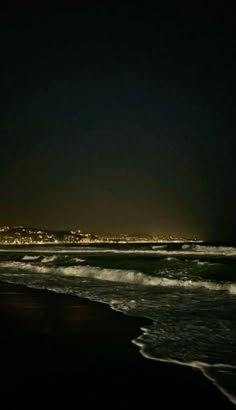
(19, 235)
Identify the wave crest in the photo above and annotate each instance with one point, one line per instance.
(30, 258)
(119, 275)
(210, 250)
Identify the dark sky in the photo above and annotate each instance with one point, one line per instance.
(119, 118)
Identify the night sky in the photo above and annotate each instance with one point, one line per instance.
(119, 118)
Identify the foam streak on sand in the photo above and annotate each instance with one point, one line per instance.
(206, 369)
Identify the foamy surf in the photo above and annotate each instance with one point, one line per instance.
(117, 275)
(190, 300)
(30, 258)
(148, 249)
(204, 368)
(48, 259)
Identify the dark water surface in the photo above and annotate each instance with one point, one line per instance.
(187, 290)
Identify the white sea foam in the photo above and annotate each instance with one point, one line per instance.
(210, 250)
(215, 249)
(186, 246)
(48, 259)
(205, 368)
(202, 263)
(119, 275)
(156, 250)
(77, 260)
(171, 258)
(30, 257)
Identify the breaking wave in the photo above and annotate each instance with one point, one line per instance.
(165, 249)
(52, 258)
(210, 250)
(119, 275)
(186, 290)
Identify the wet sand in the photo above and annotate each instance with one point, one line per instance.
(61, 349)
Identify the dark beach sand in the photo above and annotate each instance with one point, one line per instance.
(63, 350)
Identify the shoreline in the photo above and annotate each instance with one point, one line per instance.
(56, 346)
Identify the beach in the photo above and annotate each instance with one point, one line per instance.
(59, 348)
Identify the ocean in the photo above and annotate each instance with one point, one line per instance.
(188, 290)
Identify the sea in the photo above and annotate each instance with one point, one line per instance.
(188, 290)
